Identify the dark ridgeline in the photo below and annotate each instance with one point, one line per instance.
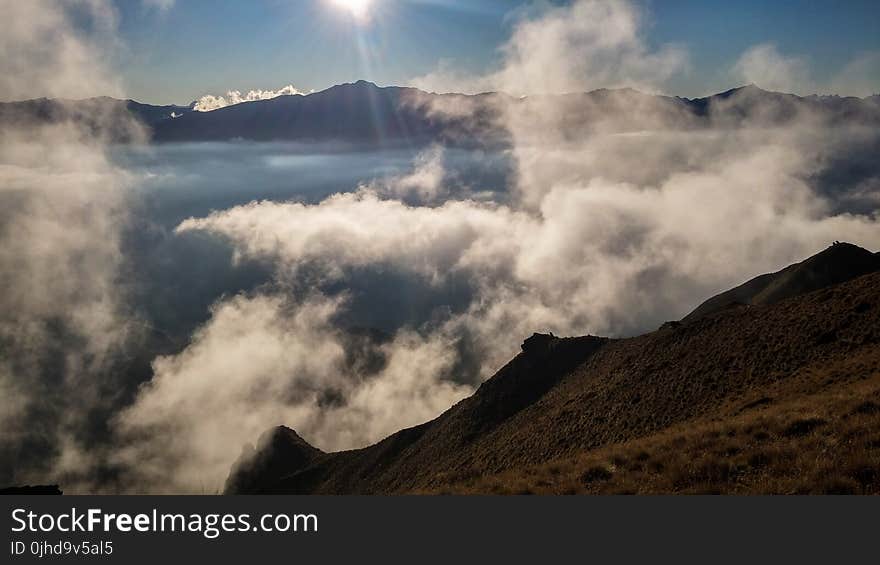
(839, 263)
(356, 113)
(104, 117)
(802, 339)
(363, 114)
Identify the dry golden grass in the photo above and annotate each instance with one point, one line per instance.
(825, 442)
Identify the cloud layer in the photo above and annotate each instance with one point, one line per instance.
(63, 206)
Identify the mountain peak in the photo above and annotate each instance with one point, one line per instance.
(280, 451)
(834, 265)
(359, 84)
(750, 89)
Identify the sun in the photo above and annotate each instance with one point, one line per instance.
(360, 9)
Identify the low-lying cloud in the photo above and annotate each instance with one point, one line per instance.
(63, 206)
(266, 360)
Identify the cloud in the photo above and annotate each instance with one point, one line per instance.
(540, 58)
(210, 102)
(592, 44)
(859, 77)
(43, 54)
(424, 184)
(595, 238)
(361, 229)
(445, 78)
(609, 251)
(63, 207)
(769, 69)
(266, 360)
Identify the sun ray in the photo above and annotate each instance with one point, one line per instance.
(360, 9)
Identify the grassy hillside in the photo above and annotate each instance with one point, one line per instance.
(839, 263)
(818, 433)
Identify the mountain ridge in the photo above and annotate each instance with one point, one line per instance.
(836, 264)
(362, 112)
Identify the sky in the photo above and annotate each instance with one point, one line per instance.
(176, 51)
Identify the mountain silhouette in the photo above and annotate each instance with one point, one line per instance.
(579, 414)
(839, 263)
(363, 113)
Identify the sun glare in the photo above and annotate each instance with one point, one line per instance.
(360, 9)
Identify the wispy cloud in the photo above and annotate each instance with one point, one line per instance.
(63, 206)
(766, 66)
(43, 54)
(539, 56)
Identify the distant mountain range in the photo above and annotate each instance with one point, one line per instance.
(772, 387)
(363, 113)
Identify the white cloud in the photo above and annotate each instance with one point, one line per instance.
(601, 255)
(860, 77)
(210, 102)
(768, 68)
(764, 66)
(43, 55)
(264, 361)
(63, 205)
(587, 45)
(424, 184)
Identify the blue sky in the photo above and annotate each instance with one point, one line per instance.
(210, 46)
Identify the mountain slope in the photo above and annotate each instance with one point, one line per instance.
(816, 434)
(561, 398)
(108, 117)
(840, 262)
(358, 113)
